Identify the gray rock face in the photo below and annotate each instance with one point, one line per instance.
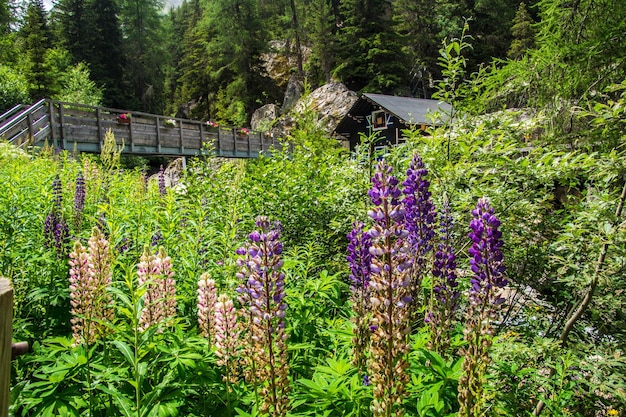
(294, 91)
(262, 117)
(330, 102)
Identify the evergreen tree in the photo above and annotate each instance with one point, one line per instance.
(523, 33)
(106, 61)
(6, 17)
(37, 43)
(7, 49)
(235, 67)
(74, 28)
(144, 53)
(370, 55)
(188, 78)
(490, 27)
(321, 27)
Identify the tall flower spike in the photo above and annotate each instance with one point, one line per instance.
(90, 276)
(488, 269)
(445, 298)
(56, 230)
(420, 219)
(359, 260)
(226, 337)
(263, 293)
(79, 201)
(207, 297)
(156, 275)
(162, 189)
(390, 294)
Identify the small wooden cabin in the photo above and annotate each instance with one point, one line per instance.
(389, 116)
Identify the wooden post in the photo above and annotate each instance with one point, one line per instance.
(62, 126)
(181, 145)
(158, 138)
(51, 123)
(6, 320)
(99, 124)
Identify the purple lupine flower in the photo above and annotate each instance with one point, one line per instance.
(445, 292)
(360, 259)
(124, 245)
(57, 192)
(56, 230)
(390, 293)
(162, 189)
(420, 218)
(79, 201)
(262, 293)
(486, 258)
(157, 239)
(487, 263)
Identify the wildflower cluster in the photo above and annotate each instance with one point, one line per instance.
(445, 293)
(359, 260)
(488, 269)
(90, 276)
(79, 201)
(56, 230)
(390, 294)
(156, 277)
(387, 265)
(263, 291)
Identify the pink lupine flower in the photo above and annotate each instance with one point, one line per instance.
(156, 276)
(226, 336)
(90, 276)
(207, 297)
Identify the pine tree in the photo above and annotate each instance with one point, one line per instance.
(235, 67)
(188, 78)
(321, 27)
(370, 54)
(37, 42)
(144, 53)
(523, 33)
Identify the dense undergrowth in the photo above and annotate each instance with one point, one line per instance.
(551, 246)
(117, 330)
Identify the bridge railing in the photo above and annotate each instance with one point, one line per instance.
(25, 123)
(84, 127)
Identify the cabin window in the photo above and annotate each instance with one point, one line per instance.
(379, 120)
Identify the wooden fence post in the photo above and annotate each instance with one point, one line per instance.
(6, 320)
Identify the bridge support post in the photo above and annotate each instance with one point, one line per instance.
(6, 320)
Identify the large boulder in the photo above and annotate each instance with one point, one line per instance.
(331, 102)
(263, 117)
(295, 88)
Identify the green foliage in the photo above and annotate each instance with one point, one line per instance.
(523, 33)
(77, 87)
(13, 88)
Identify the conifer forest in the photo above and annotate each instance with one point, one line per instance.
(478, 268)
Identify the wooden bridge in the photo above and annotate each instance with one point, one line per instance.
(72, 126)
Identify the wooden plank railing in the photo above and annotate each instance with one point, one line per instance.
(72, 126)
(83, 128)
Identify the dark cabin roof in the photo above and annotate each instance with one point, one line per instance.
(411, 110)
(407, 110)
